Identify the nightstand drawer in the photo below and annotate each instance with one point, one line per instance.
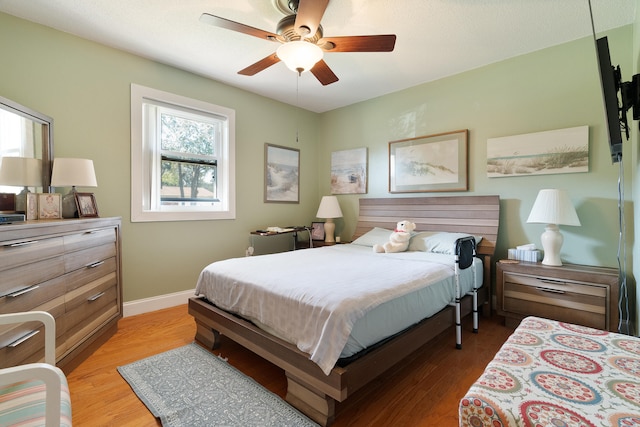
(556, 299)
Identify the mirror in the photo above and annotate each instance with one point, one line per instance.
(26, 133)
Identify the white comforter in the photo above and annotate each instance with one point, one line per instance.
(313, 297)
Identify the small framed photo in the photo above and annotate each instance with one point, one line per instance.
(86, 203)
(32, 206)
(49, 206)
(317, 231)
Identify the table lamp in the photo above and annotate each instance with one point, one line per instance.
(70, 172)
(329, 209)
(553, 207)
(21, 172)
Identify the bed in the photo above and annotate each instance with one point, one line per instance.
(550, 373)
(320, 373)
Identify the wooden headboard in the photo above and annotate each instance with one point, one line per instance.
(476, 215)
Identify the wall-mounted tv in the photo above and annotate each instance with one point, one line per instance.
(610, 81)
(616, 106)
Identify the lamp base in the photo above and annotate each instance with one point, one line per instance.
(551, 243)
(329, 231)
(69, 207)
(21, 201)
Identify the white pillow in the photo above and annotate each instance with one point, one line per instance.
(438, 242)
(376, 235)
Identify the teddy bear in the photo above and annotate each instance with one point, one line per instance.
(399, 239)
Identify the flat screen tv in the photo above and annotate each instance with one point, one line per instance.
(615, 114)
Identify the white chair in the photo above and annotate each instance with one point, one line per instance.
(23, 400)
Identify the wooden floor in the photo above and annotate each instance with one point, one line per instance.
(424, 391)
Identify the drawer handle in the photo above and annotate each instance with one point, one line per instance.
(95, 264)
(95, 297)
(22, 339)
(553, 291)
(23, 291)
(30, 242)
(551, 281)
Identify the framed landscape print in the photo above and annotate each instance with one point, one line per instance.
(429, 163)
(539, 153)
(281, 174)
(349, 171)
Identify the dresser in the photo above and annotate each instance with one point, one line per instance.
(579, 294)
(70, 268)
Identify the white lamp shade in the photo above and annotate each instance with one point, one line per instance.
(329, 208)
(299, 55)
(553, 206)
(21, 172)
(70, 172)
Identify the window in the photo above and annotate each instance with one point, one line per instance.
(182, 158)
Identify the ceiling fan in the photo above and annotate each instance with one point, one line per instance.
(300, 33)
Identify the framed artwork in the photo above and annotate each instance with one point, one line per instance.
(349, 171)
(281, 174)
(540, 153)
(86, 204)
(32, 206)
(429, 163)
(49, 206)
(317, 231)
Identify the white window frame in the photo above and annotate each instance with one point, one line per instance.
(144, 153)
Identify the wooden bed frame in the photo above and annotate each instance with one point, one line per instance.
(308, 388)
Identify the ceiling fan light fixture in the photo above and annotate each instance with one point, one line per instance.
(299, 56)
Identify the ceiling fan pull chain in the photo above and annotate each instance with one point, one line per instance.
(297, 106)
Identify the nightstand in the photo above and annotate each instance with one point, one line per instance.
(579, 294)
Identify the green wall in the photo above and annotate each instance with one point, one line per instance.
(550, 89)
(85, 87)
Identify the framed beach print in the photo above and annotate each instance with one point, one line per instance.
(86, 204)
(281, 174)
(539, 153)
(317, 231)
(429, 163)
(349, 171)
(49, 206)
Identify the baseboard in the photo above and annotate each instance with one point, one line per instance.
(146, 305)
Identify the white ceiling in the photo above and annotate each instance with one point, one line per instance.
(435, 38)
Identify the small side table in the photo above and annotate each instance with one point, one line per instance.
(580, 294)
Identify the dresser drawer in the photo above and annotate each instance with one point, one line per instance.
(88, 239)
(27, 296)
(89, 257)
(88, 307)
(24, 342)
(17, 279)
(563, 300)
(89, 273)
(24, 252)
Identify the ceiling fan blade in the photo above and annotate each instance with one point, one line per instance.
(263, 64)
(308, 15)
(380, 43)
(323, 73)
(236, 26)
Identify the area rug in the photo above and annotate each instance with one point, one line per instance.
(189, 386)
